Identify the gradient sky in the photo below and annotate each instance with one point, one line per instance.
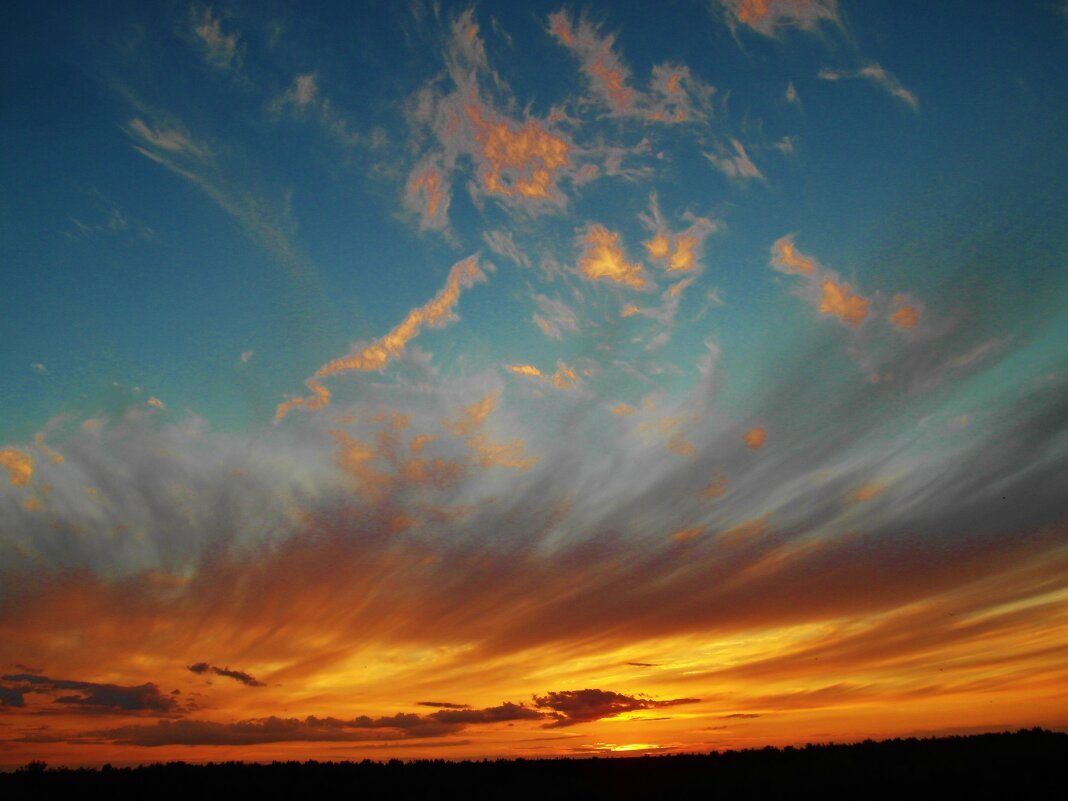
(389, 379)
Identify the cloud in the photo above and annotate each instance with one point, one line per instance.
(599, 61)
(905, 316)
(258, 731)
(839, 300)
(770, 17)
(877, 75)
(269, 225)
(220, 49)
(436, 313)
(554, 317)
(428, 194)
(443, 705)
(304, 97)
(238, 675)
(676, 251)
(503, 244)
(673, 94)
(572, 707)
(755, 438)
(301, 94)
(786, 258)
(516, 160)
(172, 140)
(603, 259)
(486, 452)
(496, 714)
(19, 466)
(737, 165)
(92, 696)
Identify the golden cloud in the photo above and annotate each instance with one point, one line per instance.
(437, 313)
(786, 258)
(839, 300)
(905, 316)
(603, 259)
(517, 161)
(525, 369)
(755, 438)
(427, 193)
(19, 466)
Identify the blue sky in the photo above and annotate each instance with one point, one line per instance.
(610, 279)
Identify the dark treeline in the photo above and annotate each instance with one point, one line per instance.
(1019, 764)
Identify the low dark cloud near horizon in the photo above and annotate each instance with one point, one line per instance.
(89, 696)
(238, 675)
(558, 708)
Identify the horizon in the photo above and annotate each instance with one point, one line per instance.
(469, 381)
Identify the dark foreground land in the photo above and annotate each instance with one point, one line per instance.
(1026, 764)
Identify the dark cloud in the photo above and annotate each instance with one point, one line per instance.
(443, 705)
(561, 708)
(92, 696)
(570, 707)
(494, 714)
(238, 675)
(10, 697)
(744, 715)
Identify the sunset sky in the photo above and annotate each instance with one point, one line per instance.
(524, 379)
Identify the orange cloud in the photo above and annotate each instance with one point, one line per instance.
(841, 301)
(56, 458)
(673, 94)
(749, 530)
(486, 452)
(686, 534)
(516, 161)
(866, 492)
(684, 257)
(677, 445)
(768, 16)
(525, 369)
(659, 246)
(716, 488)
(623, 409)
(629, 310)
(435, 314)
(906, 316)
(19, 466)
(157, 403)
(603, 258)
(599, 61)
(426, 192)
(564, 377)
(755, 438)
(786, 258)
(420, 441)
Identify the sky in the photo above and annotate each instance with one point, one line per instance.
(435, 380)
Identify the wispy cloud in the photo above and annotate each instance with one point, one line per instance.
(771, 17)
(877, 75)
(735, 165)
(436, 313)
(673, 95)
(168, 143)
(221, 50)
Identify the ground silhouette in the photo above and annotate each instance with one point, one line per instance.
(1020, 764)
